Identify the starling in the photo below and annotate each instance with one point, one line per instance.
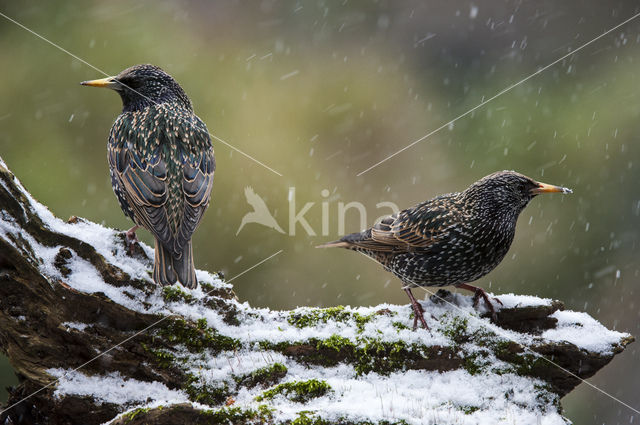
(450, 240)
(161, 164)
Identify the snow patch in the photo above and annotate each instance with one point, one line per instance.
(516, 301)
(75, 325)
(113, 388)
(584, 331)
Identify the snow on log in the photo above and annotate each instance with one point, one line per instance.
(70, 291)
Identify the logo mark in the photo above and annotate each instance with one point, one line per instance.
(297, 216)
(260, 213)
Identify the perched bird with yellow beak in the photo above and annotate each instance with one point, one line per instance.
(453, 239)
(161, 163)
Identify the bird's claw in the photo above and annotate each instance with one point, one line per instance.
(131, 239)
(418, 315)
(417, 311)
(489, 304)
(479, 292)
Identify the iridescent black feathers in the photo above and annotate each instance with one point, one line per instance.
(162, 164)
(452, 239)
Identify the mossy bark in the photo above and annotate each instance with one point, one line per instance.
(33, 309)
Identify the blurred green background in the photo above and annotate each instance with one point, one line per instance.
(320, 91)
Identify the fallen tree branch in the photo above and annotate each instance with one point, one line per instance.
(71, 292)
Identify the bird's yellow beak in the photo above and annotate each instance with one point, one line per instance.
(549, 188)
(109, 82)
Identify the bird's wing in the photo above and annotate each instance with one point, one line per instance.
(414, 228)
(426, 224)
(142, 178)
(142, 162)
(255, 200)
(198, 168)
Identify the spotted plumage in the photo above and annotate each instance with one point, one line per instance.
(452, 239)
(162, 164)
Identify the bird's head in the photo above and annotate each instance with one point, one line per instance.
(507, 192)
(143, 85)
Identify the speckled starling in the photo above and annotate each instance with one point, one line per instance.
(452, 239)
(161, 162)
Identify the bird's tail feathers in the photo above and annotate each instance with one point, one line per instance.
(185, 269)
(348, 241)
(163, 271)
(168, 269)
(334, 244)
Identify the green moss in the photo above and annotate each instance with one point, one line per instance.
(309, 418)
(400, 326)
(522, 364)
(137, 412)
(366, 354)
(309, 356)
(304, 419)
(278, 346)
(501, 370)
(477, 362)
(361, 321)
(318, 315)
(265, 376)
(262, 415)
(468, 409)
(471, 365)
(206, 287)
(196, 337)
(315, 316)
(545, 396)
(455, 329)
(237, 415)
(335, 342)
(175, 294)
(528, 364)
(205, 393)
(163, 359)
(265, 411)
(298, 391)
(503, 348)
(380, 356)
(371, 354)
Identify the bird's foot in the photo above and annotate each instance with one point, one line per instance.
(131, 238)
(479, 292)
(418, 314)
(417, 311)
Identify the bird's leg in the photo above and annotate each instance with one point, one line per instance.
(417, 311)
(479, 292)
(131, 238)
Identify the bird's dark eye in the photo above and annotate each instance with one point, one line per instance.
(129, 82)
